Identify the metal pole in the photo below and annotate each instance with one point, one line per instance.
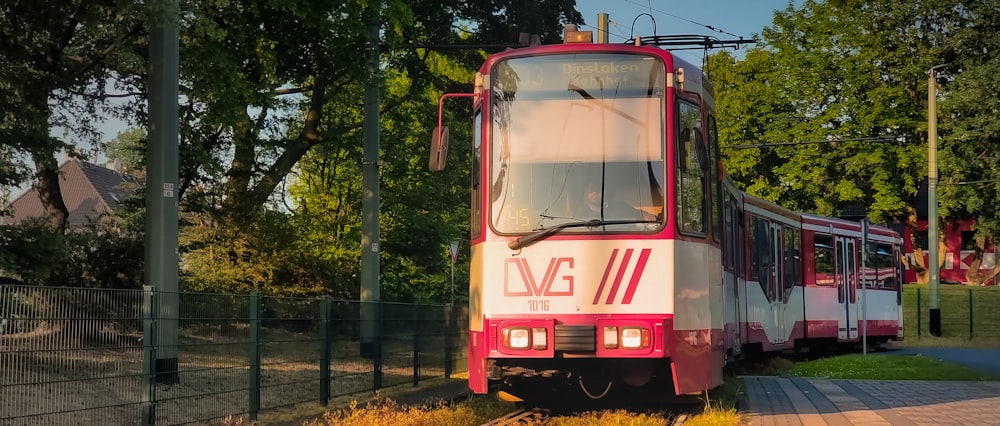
(919, 332)
(932, 208)
(149, 304)
(254, 356)
(602, 28)
(453, 251)
(864, 286)
(324, 349)
(370, 267)
(161, 184)
(970, 314)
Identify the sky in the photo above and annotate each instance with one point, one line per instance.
(730, 19)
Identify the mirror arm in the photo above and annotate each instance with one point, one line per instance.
(441, 105)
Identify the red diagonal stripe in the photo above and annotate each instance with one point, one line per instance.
(604, 280)
(618, 277)
(639, 266)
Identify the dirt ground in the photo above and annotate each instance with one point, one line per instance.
(49, 378)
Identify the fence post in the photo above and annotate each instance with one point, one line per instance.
(254, 378)
(970, 314)
(324, 350)
(449, 313)
(149, 313)
(416, 344)
(918, 312)
(377, 355)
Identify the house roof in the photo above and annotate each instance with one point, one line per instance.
(88, 190)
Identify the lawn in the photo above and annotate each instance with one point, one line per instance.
(970, 316)
(886, 367)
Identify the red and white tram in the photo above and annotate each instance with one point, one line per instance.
(669, 270)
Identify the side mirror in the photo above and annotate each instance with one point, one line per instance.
(439, 149)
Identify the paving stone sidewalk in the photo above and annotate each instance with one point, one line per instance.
(804, 401)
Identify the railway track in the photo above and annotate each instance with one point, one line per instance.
(520, 417)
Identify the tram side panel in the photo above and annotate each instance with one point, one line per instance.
(698, 341)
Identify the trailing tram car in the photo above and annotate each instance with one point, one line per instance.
(609, 249)
(801, 279)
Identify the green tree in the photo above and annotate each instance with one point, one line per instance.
(55, 61)
(969, 129)
(31, 253)
(849, 74)
(128, 148)
(273, 89)
(856, 71)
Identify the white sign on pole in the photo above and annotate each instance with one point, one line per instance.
(453, 249)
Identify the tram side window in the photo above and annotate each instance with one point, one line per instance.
(760, 254)
(885, 272)
(792, 262)
(691, 164)
(730, 242)
(823, 249)
(714, 184)
(754, 261)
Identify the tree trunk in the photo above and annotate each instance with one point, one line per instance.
(47, 185)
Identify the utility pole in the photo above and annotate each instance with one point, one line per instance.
(933, 282)
(602, 28)
(864, 285)
(161, 183)
(370, 267)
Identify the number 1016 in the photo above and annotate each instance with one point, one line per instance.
(538, 305)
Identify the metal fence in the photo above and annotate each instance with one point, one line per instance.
(971, 313)
(119, 357)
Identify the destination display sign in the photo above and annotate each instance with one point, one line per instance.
(589, 75)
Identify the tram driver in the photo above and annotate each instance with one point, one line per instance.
(599, 205)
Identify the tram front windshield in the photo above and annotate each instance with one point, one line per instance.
(577, 137)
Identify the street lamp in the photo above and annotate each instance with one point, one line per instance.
(933, 281)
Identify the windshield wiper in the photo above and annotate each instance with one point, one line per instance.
(544, 232)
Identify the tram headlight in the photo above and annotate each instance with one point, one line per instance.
(517, 337)
(635, 338)
(523, 337)
(626, 337)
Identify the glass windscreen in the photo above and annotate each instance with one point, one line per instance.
(577, 137)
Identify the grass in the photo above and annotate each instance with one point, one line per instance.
(610, 418)
(387, 413)
(886, 367)
(720, 404)
(970, 316)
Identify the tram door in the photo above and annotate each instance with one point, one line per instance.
(846, 281)
(777, 288)
(734, 256)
